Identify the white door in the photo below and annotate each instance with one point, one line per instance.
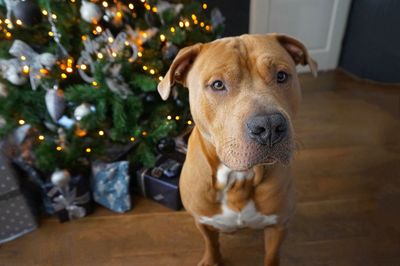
(319, 24)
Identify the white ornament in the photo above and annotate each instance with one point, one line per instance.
(3, 90)
(82, 111)
(11, 71)
(61, 178)
(48, 60)
(55, 103)
(90, 12)
(2, 122)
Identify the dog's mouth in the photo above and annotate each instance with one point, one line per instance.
(247, 156)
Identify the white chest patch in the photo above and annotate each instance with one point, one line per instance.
(230, 220)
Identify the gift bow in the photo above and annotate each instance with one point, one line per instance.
(69, 201)
(33, 60)
(109, 46)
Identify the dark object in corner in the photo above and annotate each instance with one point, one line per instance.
(371, 47)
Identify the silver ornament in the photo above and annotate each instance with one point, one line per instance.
(82, 110)
(48, 60)
(61, 178)
(3, 90)
(11, 70)
(55, 103)
(90, 12)
(2, 122)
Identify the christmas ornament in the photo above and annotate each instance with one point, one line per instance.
(55, 103)
(2, 122)
(166, 145)
(3, 90)
(217, 18)
(62, 138)
(90, 12)
(11, 70)
(115, 81)
(28, 12)
(62, 52)
(61, 178)
(82, 110)
(36, 64)
(114, 14)
(162, 6)
(109, 47)
(66, 122)
(169, 51)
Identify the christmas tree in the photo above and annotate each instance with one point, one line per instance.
(79, 78)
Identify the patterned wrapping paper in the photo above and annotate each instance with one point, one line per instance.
(16, 218)
(110, 185)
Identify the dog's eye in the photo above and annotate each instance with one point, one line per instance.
(282, 77)
(218, 85)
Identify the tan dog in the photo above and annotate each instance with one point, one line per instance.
(243, 93)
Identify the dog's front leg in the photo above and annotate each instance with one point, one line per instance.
(273, 237)
(212, 255)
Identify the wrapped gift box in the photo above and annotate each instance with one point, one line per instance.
(110, 185)
(16, 218)
(161, 183)
(71, 201)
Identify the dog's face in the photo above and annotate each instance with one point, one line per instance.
(243, 94)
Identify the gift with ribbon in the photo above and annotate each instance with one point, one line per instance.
(16, 217)
(70, 195)
(161, 183)
(110, 185)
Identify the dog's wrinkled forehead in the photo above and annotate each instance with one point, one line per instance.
(235, 55)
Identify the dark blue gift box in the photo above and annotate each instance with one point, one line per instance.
(164, 186)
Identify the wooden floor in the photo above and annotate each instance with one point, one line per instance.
(348, 179)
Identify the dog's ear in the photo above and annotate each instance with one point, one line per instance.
(298, 51)
(178, 69)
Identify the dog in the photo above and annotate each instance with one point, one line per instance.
(243, 95)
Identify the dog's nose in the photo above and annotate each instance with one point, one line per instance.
(267, 129)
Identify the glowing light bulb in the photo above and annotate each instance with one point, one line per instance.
(100, 55)
(187, 24)
(132, 139)
(59, 148)
(99, 29)
(139, 54)
(169, 117)
(194, 17)
(110, 39)
(88, 150)
(69, 69)
(51, 34)
(205, 6)
(189, 122)
(63, 75)
(131, 6)
(208, 27)
(19, 22)
(41, 138)
(202, 24)
(154, 9)
(152, 71)
(101, 133)
(114, 54)
(94, 83)
(172, 29)
(105, 4)
(160, 78)
(44, 12)
(145, 68)
(144, 133)
(53, 16)
(119, 14)
(181, 24)
(177, 117)
(162, 37)
(83, 67)
(25, 69)
(21, 122)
